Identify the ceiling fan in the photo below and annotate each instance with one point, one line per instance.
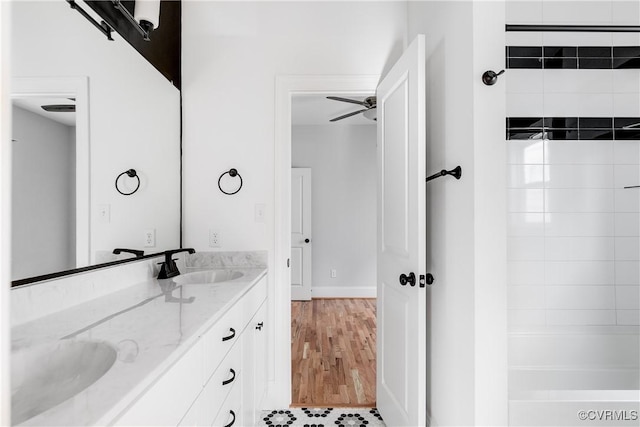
(60, 108)
(369, 111)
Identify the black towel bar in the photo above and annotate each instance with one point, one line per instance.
(455, 172)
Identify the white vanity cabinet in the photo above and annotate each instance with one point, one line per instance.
(254, 362)
(221, 380)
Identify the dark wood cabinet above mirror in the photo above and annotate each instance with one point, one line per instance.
(163, 48)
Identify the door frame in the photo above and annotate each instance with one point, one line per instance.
(286, 87)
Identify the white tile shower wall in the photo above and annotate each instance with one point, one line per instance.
(574, 250)
(569, 349)
(573, 234)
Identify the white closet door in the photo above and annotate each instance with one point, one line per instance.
(301, 234)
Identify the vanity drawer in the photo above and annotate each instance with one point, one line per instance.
(230, 414)
(208, 404)
(252, 301)
(223, 380)
(220, 339)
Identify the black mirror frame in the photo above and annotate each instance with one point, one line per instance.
(35, 279)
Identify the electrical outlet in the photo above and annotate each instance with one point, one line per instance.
(104, 213)
(149, 238)
(214, 239)
(334, 273)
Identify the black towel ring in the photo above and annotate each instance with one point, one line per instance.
(131, 173)
(232, 173)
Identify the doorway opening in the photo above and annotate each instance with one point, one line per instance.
(51, 145)
(401, 352)
(333, 250)
(287, 87)
(43, 158)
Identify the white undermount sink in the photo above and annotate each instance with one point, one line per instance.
(46, 375)
(207, 277)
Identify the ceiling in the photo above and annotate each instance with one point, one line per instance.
(35, 106)
(318, 110)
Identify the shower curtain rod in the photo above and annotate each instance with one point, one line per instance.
(574, 28)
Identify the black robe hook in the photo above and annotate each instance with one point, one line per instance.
(490, 77)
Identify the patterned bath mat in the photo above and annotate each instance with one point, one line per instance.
(322, 417)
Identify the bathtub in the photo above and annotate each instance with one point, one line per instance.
(576, 376)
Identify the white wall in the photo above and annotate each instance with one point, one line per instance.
(43, 162)
(232, 53)
(342, 159)
(134, 119)
(5, 212)
(467, 379)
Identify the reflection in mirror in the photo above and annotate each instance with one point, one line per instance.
(50, 175)
(129, 119)
(43, 185)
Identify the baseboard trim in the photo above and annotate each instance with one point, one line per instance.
(371, 405)
(344, 292)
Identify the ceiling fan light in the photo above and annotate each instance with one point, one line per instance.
(371, 114)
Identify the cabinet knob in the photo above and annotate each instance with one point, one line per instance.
(259, 326)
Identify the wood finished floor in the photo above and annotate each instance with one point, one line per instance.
(333, 352)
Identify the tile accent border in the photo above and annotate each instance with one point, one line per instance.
(573, 128)
(573, 57)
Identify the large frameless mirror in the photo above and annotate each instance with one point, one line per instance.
(85, 110)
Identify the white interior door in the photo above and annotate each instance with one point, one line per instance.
(401, 312)
(300, 233)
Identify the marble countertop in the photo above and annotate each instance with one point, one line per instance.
(151, 325)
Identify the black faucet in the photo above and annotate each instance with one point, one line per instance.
(135, 252)
(168, 267)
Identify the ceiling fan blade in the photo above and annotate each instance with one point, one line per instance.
(347, 115)
(352, 101)
(59, 108)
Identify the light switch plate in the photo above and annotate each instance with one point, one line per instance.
(104, 213)
(260, 209)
